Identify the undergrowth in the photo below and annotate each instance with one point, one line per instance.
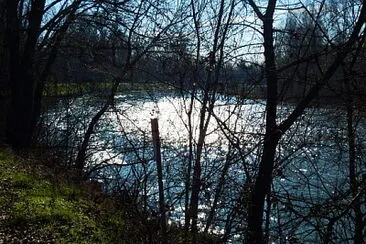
(37, 206)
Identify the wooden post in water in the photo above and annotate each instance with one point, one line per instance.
(157, 158)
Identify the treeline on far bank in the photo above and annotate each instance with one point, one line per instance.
(88, 61)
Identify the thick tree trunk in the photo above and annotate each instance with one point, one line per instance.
(4, 71)
(274, 132)
(21, 113)
(272, 136)
(11, 43)
(26, 88)
(261, 187)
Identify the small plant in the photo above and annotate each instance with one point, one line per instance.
(22, 180)
(2, 156)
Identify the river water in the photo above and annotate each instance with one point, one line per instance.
(311, 168)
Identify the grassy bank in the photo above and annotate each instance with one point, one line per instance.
(77, 89)
(39, 204)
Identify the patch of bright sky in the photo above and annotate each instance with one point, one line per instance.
(243, 41)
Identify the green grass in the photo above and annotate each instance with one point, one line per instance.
(76, 89)
(36, 205)
(73, 89)
(45, 209)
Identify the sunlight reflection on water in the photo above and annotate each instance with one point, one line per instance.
(308, 170)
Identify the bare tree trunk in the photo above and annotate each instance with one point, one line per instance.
(11, 44)
(268, 216)
(274, 132)
(187, 218)
(354, 185)
(261, 187)
(272, 136)
(21, 115)
(209, 89)
(4, 72)
(196, 181)
(218, 191)
(26, 83)
(57, 39)
(192, 205)
(82, 151)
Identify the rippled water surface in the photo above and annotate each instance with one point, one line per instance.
(311, 165)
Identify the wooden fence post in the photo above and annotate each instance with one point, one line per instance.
(157, 158)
